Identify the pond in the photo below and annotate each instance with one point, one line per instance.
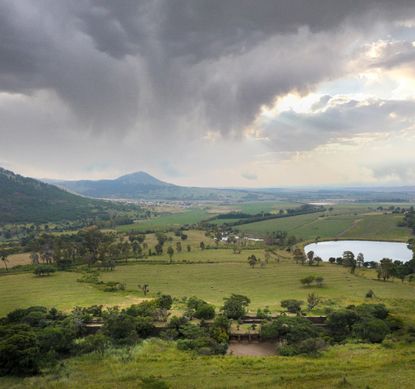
(372, 250)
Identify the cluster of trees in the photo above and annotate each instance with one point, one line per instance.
(386, 268)
(409, 219)
(37, 337)
(280, 239)
(297, 335)
(309, 259)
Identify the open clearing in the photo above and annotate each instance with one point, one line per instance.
(210, 281)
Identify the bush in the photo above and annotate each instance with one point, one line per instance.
(371, 330)
(291, 329)
(378, 311)
(120, 327)
(205, 311)
(44, 270)
(292, 306)
(339, 323)
(307, 281)
(94, 343)
(165, 301)
(235, 306)
(19, 351)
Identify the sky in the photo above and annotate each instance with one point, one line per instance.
(226, 93)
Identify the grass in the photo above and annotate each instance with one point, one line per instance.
(379, 226)
(264, 286)
(165, 222)
(345, 221)
(354, 366)
(210, 281)
(59, 290)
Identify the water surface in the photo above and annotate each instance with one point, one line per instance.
(372, 250)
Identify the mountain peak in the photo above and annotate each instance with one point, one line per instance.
(141, 178)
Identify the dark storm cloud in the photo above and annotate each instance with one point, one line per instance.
(175, 65)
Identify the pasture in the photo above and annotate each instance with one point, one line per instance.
(211, 281)
(344, 221)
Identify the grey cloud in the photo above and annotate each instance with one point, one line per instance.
(401, 171)
(174, 65)
(249, 176)
(304, 131)
(396, 54)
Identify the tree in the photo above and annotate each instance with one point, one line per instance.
(307, 281)
(267, 256)
(189, 248)
(349, 261)
(19, 351)
(202, 245)
(252, 260)
(299, 256)
(170, 252)
(136, 247)
(145, 288)
(385, 269)
(179, 247)
(205, 312)
(372, 330)
(318, 260)
(34, 256)
(310, 257)
(312, 301)
(292, 306)
(319, 281)
(235, 306)
(44, 270)
(360, 260)
(3, 257)
(159, 249)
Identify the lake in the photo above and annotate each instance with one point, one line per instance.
(372, 250)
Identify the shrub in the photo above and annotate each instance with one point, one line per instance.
(95, 343)
(165, 301)
(339, 323)
(44, 270)
(307, 281)
(371, 330)
(19, 350)
(235, 306)
(292, 306)
(205, 311)
(378, 311)
(120, 327)
(292, 329)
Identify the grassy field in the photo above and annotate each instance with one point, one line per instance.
(166, 222)
(345, 221)
(210, 281)
(354, 366)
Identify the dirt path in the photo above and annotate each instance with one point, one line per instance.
(259, 349)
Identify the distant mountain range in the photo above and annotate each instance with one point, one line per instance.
(142, 185)
(25, 199)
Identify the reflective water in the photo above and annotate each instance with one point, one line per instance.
(372, 250)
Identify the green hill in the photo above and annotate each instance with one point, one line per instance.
(25, 199)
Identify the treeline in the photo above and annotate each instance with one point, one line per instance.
(409, 219)
(247, 219)
(386, 268)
